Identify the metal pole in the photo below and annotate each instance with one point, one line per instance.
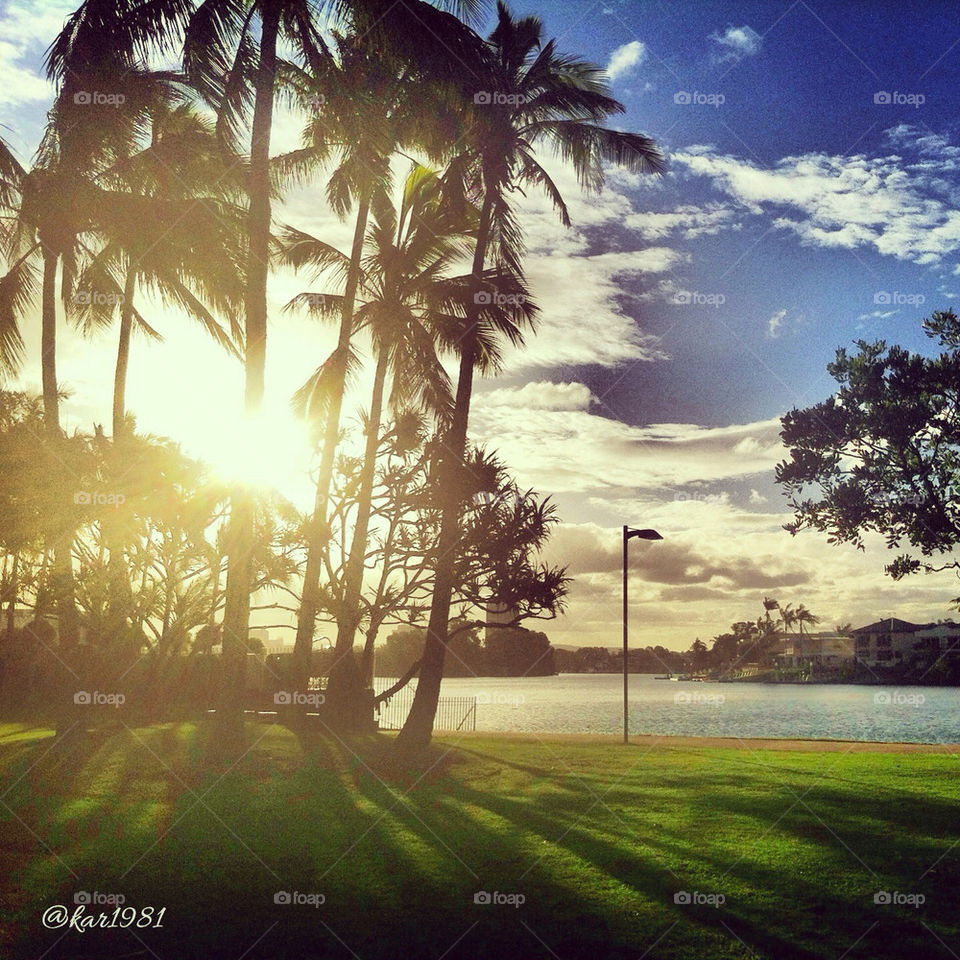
(625, 694)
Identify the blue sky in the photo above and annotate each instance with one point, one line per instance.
(681, 317)
(798, 81)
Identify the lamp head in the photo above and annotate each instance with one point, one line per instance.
(645, 534)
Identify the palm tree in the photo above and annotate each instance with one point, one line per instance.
(103, 46)
(180, 164)
(766, 625)
(37, 236)
(411, 308)
(373, 103)
(234, 66)
(803, 615)
(528, 96)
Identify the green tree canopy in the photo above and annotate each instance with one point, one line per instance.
(882, 455)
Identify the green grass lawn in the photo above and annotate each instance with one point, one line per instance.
(596, 837)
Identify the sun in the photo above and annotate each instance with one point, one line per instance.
(269, 451)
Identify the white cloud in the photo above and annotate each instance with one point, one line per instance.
(575, 451)
(757, 497)
(581, 317)
(736, 43)
(775, 323)
(687, 221)
(840, 202)
(625, 58)
(26, 30)
(539, 395)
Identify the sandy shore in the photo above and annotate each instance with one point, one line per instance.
(728, 743)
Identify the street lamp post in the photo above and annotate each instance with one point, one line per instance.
(627, 535)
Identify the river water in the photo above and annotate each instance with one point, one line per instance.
(593, 703)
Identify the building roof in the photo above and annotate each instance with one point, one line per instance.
(892, 625)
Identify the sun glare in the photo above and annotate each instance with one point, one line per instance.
(270, 451)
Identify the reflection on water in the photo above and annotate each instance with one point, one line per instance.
(593, 703)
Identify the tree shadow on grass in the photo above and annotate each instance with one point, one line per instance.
(399, 856)
(833, 915)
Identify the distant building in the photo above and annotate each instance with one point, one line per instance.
(824, 651)
(937, 640)
(889, 642)
(499, 613)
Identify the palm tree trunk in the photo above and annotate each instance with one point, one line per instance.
(236, 614)
(62, 585)
(13, 591)
(318, 532)
(418, 728)
(48, 344)
(123, 351)
(344, 689)
(120, 592)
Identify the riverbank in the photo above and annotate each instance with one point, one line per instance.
(801, 745)
(541, 846)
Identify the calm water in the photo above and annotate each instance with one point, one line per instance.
(593, 703)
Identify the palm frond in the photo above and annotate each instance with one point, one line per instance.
(312, 400)
(18, 290)
(298, 249)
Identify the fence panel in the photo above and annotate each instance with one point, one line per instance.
(453, 713)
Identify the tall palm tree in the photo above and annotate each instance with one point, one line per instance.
(360, 96)
(180, 163)
(412, 308)
(40, 233)
(528, 96)
(231, 55)
(373, 103)
(103, 47)
(237, 66)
